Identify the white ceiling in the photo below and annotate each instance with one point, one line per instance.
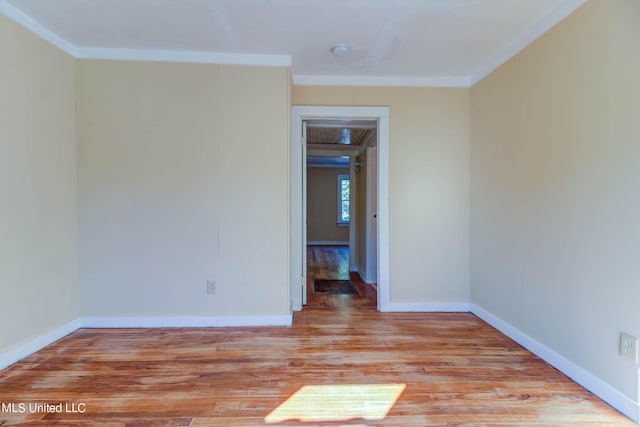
(393, 42)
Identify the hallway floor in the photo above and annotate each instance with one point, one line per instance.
(332, 262)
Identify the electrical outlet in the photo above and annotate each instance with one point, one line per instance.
(629, 347)
(211, 287)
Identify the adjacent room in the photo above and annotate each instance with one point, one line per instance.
(341, 244)
(336, 212)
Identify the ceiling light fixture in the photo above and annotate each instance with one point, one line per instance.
(340, 50)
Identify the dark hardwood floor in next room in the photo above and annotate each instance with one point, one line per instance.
(332, 368)
(332, 262)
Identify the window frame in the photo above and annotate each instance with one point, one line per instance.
(340, 200)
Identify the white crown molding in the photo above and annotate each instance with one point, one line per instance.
(384, 81)
(605, 391)
(184, 56)
(186, 321)
(41, 341)
(150, 55)
(492, 63)
(34, 26)
(524, 39)
(426, 307)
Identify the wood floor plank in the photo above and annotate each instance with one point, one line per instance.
(332, 262)
(457, 370)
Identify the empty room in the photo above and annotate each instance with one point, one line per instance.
(319, 213)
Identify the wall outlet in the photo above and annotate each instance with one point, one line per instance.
(211, 287)
(629, 347)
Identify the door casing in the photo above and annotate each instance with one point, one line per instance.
(298, 244)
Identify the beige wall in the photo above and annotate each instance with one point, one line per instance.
(322, 205)
(183, 178)
(556, 194)
(38, 253)
(429, 185)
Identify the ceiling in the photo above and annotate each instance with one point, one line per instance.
(339, 137)
(393, 42)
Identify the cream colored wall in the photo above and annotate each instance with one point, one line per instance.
(38, 250)
(322, 205)
(555, 194)
(429, 185)
(184, 177)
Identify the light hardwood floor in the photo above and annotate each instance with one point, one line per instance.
(449, 369)
(332, 262)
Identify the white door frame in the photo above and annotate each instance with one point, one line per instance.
(303, 143)
(371, 244)
(298, 192)
(353, 208)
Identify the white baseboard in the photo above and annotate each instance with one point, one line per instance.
(186, 321)
(427, 307)
(589, 381)
(12, 356)
(326, 243)
(361, 274)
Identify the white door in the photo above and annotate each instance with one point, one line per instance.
(353, 209)
(304, 212)
(372, 216)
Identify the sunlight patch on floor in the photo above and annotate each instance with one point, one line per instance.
(331, 403)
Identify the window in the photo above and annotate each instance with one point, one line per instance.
(343, 199)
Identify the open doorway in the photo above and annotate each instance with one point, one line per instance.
(359, 136)
(340, 241)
